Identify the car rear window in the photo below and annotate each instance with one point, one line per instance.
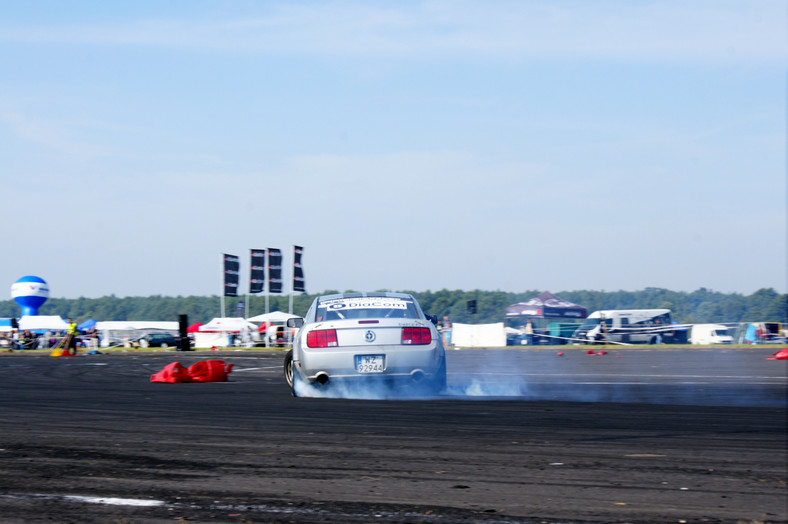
(366, 307)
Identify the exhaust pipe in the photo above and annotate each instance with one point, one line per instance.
(322, 378)
(417, 376)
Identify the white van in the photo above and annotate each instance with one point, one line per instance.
(628, 326)
(710, 334)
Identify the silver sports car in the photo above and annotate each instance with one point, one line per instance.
(366, 338)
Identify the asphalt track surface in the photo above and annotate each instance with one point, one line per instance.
(634, 435)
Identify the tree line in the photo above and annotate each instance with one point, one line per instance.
(700, 306)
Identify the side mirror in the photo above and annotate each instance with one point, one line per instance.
(433, 319)
(295, 322)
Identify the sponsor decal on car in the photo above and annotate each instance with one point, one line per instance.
(366, 303)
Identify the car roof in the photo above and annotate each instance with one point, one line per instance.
(384, 294)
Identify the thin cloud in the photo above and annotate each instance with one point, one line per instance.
(716, 31)
(49, 134)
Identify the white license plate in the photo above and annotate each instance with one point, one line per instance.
(370, 363)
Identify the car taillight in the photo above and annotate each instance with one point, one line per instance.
(416, 335)
(322, 338)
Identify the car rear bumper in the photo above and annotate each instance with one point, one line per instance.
(400, 361)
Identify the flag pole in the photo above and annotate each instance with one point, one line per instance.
(223, 289)
(292, 285)
(268, 265)
(292, 290)
(248, 291)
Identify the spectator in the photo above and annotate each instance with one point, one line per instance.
(529, 333)
(27, 340)
(445, 329)
(92, 338)
(71, 337)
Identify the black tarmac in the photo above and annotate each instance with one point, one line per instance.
(632, 435)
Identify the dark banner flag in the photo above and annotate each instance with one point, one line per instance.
(231, 266)
(298, 272)
(257, 272)
(274, 270)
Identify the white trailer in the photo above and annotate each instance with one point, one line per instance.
(626, 326)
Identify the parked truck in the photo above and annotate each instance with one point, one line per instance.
(626, 326)
(710, 334)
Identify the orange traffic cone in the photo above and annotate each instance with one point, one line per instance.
(210, 371)
(172, 373)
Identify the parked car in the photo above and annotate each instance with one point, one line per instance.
(366, 338)
(160, 340)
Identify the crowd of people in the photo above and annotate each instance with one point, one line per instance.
(70, 338)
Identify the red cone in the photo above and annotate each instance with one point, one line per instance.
(204, 371)
(172, 373)
(210, 371)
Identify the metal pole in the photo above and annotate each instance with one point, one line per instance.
(222, 293)
(292, 277)
(267, 323)
(248, 285)
(267, 288)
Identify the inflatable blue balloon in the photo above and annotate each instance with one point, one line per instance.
(30, 292)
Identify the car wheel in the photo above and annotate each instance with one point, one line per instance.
(164, 345)
(290, 372)
(438, 382)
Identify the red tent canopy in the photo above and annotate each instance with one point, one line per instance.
(194, 328)
(546, 305)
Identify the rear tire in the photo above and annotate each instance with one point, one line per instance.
(438, 382)
(290, 372)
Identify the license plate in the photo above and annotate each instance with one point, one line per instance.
(370, 363)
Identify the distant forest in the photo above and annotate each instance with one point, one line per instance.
(701, 306)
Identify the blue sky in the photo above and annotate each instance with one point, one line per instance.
(495, 145)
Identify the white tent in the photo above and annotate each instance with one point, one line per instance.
(232, 324)
(120, 325)
(275, 322)
(478, 335)
(221, 332)
(207, 340)
(43, 323)
(273, 316)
